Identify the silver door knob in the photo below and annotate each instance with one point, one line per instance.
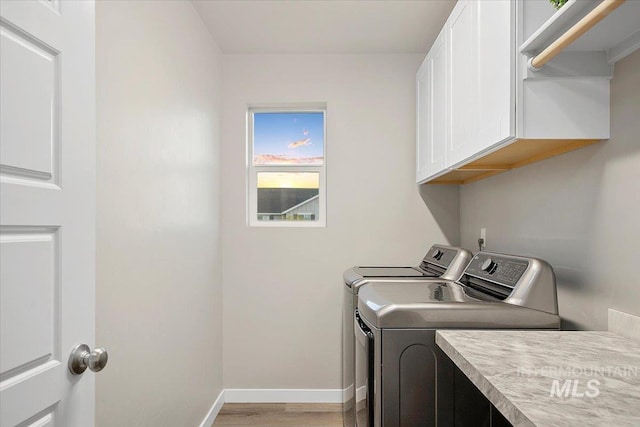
(81, 359)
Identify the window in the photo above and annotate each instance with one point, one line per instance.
(286, 153)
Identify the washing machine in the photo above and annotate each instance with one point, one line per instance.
(402, 377)
(440, 262)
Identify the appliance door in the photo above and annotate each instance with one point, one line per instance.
(364, 353)
(348, 359)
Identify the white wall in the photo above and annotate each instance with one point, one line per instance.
(159, 287)
(579, 211)
(283, 286)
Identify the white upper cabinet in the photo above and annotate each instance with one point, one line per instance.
(482, 112)
(423, 137)
(431, 118)
(438, 117)
(496, 72)
(463, 87)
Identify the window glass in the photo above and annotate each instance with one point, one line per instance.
(288, 196)
(286, 138)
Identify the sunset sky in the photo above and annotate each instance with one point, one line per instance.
(288, 138)
(288, 180)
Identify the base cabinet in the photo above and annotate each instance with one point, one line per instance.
(472, 408)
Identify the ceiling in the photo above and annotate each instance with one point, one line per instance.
(324, 26)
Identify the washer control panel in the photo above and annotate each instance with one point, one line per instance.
(439, 256)
(504, 271)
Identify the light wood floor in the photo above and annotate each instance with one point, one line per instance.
(280, 415)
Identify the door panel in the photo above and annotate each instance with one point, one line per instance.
(29, 76)
(45, 421)
(32, 395)
(29, 302)
(47, 217)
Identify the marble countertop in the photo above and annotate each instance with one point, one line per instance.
(552, 378)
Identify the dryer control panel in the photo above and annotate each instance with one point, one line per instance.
(524, 281)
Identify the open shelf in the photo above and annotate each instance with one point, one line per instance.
(519, 153)
(618, 34)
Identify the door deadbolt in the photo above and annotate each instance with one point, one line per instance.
(82, 358)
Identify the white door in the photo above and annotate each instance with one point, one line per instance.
(47, 210)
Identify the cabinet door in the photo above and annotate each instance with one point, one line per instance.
(463, 81)
(496, 72)
(423, 103)
(438, 117)
(431, 107)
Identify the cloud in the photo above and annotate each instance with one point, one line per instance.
(266, 159)
(300, 143)
(305, 132)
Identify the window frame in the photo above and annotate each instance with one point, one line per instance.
(253, 170)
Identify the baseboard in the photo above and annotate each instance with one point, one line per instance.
(624, 324)
(283, 395)
(238, 395)
(213, 412)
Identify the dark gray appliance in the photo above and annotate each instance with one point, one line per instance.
(440, 262)
(403, 378)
